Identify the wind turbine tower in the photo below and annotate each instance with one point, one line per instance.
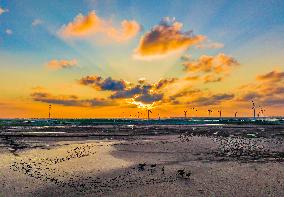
(149, 111)
(220, 113)
(209, 111)
(185, 114)
(49, 110)
(253, 107)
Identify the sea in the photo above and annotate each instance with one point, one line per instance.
(125, 121)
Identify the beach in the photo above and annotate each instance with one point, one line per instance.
(129, 98)
(143, 161)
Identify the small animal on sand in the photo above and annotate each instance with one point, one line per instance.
(141, 166)
(163, 170)
(181, 172)
(188, 174)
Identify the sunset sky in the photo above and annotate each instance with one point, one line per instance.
(104, 58)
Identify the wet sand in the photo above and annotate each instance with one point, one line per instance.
(207, 161)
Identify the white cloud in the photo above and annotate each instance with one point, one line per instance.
(37, 22)
(208, 44)
(2, 10)
(9, 31)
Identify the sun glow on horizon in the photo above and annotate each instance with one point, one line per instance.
(90, 59)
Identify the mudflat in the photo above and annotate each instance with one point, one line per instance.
(158, 160)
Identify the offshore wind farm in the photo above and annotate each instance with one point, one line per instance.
(142, 156)
(141, 98)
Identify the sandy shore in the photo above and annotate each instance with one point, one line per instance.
(32, 172)
(160, 165)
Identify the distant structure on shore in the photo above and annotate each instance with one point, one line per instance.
(185, 114)
(253, 108)
(262, 111)
(49, 111)
(149, 111)
(258, 111)
(220, 113)
(209, 111)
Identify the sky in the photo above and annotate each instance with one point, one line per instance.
(107, 58)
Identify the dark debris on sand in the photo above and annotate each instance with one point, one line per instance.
(233, 143)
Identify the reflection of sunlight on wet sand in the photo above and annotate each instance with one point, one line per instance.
(100, 161)
(64, 162)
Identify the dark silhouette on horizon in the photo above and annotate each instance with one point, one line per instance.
(209, 111)
(49, 111)
(185, 114)
(262, 111)
(149, 111)
(220, 113)
(253, 107)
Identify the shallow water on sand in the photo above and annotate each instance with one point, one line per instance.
(147, 160)
(45, 123)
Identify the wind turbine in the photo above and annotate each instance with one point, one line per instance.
(209, 111)
(185, 114)
(49, 109)
(220, 112)
(262, 111)
(253, 107)
(149, 111)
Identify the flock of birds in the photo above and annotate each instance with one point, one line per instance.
(245, 148)
(248, 149)
(47, 170)
(44, 168)
(242, 148)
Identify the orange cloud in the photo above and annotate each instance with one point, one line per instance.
(199, 98)
(164, 39)
(215, 99)
(61, 64)
(212, 78)
(266, 90)
(99, 83)
(216, 67)
(219, 63)
(186, 93)
(271, 76)
(192, 78)
(142, 94)
(164, 82)
(68, 100)
(90, 25)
